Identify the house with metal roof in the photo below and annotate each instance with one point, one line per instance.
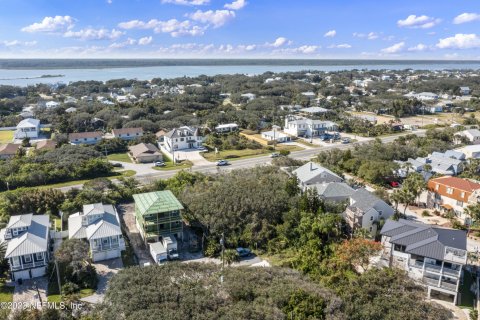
(100, 226)
(312, 173)
(472, 136)
(27, 238)
(27, 128)
(182, 138)
(158, 214)
(365, 210)
(430, 254)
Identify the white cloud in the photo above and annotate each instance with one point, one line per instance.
(109, 1)
(174, 27)
(94, 34)
(236, 5)
(466, 17)
(340, 46)
(216, 18)
(306, 49)
(419, 47)
(51, 24)
(145, 40)
(128, 42)
(280, 41)
(187, 2)
(369, 36)
(460, 41)
(17, 43)
(330, 34)
(395, 48)
(415, 22)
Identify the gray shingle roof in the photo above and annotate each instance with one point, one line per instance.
(333, 189)
(423, 239)
(311, 170)
(364, 199)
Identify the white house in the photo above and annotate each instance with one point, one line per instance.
(100, 226)
(85, 137)
(304, 127)
(127, 133)
(309, 94)
(52, 104)
(430, 254)
(228, 127)
(365, 210)
(471, 152)
(275, 135)
(183, 138)
(471, 135)
(27, 238)
(248, 96)
(27, 128)
(465, 91)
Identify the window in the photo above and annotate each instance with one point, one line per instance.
(371, 218)
(15, 232)
(105, 241)
(462, 195)
(15, 261)
(114, 240)
(27, 259)
(380, 212)
(449, 190)
(39, 256)
(436, 187)
(460, 203)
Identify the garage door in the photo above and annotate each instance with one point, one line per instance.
(22, 275)
(112, 254)
(105, 255)
(38, 272)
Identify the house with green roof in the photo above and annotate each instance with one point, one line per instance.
(158, 214)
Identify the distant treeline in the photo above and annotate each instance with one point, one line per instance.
(122, 63)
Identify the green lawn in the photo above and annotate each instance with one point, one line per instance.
(122, 157)
(466, 296)
(58, 224)
(6, 136)
(170, 166)
(116, 175)
(6, 292)
(246, 153)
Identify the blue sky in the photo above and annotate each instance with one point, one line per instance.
(408, 29)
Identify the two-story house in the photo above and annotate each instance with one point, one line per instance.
(183, 138)
(127, 133)
(27, 128)
(365, 210)
(312, 173)
(27, 238)
(158, 214)
(226, 128)
(85, 137)
(304, 127)
(452, 193)
(100, 226)
(429, 254)
(472, 136)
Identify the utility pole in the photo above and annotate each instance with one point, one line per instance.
(38, 292)
(222, 243)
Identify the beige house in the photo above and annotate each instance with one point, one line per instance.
(46, 145)
(145, 152)
(8, 151)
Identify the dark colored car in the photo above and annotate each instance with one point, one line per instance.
(244, 252)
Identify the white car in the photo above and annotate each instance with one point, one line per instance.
(275, 155)
(222, 163)
(160, 164)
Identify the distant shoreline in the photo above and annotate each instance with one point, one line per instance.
(39, 77)
(48, 64)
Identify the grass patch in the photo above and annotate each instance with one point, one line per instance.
(306, 143)
(6, 292)
(466, 296)
(57, 223)
(6, 136)
(185, 164)
(53, 292)
(114, 175)
(246, 153)
(122, 157)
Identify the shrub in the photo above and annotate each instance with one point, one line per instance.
(284, 152)
(425, 213)
(70, 288)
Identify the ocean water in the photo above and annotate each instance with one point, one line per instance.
(24, 77)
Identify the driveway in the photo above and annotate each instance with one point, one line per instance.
(27, 291)
(139, 168)
(105, 271)
(127, 214)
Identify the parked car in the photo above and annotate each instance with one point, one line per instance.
(394, 184)
(244, 252)
(201, 148)
(117, 165)
(275, 155)
(160, 164)
(222, 162)
(345, 140)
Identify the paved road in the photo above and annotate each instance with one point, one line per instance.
(211, 168)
